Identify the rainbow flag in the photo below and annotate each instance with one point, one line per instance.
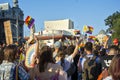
(88, 29)
(29, 21)
(92, 39)
(81, 46)
(76, 32)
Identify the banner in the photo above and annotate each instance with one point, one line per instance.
(8, 32)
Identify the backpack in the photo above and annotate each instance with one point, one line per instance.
(90, 71)
(16, 73)
(71, 70)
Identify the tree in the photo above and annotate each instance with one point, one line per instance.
(113, 21)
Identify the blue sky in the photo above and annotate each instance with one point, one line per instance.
(82, 12)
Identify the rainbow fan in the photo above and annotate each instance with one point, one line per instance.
(29, 55)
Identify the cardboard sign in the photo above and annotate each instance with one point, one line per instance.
(8, 32)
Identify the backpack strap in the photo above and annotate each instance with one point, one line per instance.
(87, 58)
(81, 57)
(16, 72)
(92, 58)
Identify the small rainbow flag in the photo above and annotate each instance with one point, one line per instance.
(81, 46)
(92, 39)
(29, 21)
(88, 29)
(77, 32)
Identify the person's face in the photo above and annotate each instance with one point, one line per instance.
(112, 51)
(57, 58)
(85, 50)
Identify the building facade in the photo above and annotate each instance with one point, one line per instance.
(59, 25)
(101, 35)
(16, 17)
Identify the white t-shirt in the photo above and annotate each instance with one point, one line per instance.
(108, 78)
(69, 58)
(50, 72)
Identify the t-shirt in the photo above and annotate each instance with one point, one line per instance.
(52, 71)
(7, 70)
(108, 78)
(66, 65)
(106, 60)
(70, 60)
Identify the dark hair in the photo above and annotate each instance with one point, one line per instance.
(81, 51)
(62, 55)
(114, 69)
(88, 46)
(96, 53)
(103, 52)
(70, 49)
(1, 55)
(10, 52)
(45, 57)
(97, 47)
(63, 48)
(113, 47)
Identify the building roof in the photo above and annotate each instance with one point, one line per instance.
(4, 6)
(59, 20)
(102, 32)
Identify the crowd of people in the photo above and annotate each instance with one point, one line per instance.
(61, 62)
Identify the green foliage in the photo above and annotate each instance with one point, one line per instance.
(113, 21)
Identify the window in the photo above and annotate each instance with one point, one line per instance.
(3, 14)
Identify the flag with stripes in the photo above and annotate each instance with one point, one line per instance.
(29, 21)
(88, 29)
